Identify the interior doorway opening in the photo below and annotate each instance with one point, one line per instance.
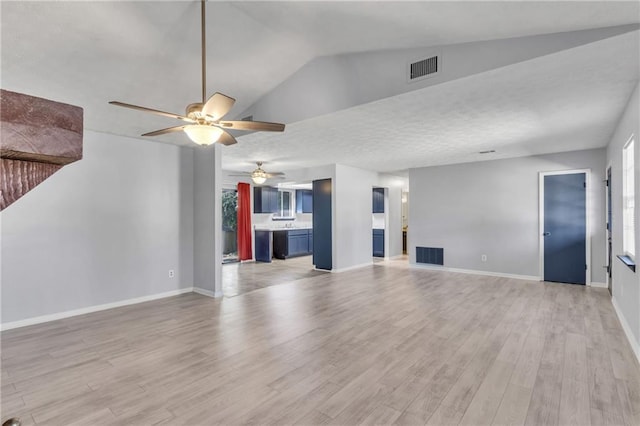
(229, 225)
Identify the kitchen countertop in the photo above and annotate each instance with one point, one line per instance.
(266, 228)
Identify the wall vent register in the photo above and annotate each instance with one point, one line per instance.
(424, 68)
(430, 255)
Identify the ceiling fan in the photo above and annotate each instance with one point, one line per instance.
(259, 175)
(204, 125)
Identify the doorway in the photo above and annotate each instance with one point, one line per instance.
(563, 220)
(229, 225)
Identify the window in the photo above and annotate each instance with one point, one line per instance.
(284, 204)
(628, 200)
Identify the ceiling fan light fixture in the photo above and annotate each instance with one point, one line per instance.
(259, 176)
(203, 134)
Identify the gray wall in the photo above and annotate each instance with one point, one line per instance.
(491, 208)
(207, 219)
(104, 229)
(626, 284)
(333, 83)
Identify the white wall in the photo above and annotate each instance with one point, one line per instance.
(491, 208)
(104, 229)
(353, 239)
(625, 283)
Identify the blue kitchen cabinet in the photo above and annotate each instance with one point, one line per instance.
(378, 242)
(304, 201)
(263, 244)
(378, 200)
(265, 199)
(291, 243)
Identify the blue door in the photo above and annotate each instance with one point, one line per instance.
(565, 228)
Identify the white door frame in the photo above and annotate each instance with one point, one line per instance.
(608, 229)
(588, 230)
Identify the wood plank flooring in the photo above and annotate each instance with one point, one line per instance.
(239, 278)
(384, 344)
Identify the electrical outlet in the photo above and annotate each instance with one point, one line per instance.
(484, 257)
(172, 273)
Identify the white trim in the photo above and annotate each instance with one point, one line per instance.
(608, 227)
(474, 272)
(90, 309)
(397, 256)
(598, 285)
(350, 268)
(588, 233)
(627, 330)
(206, 292)
(622, 191)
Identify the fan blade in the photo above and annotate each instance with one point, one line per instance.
(275, 174)
(163, 131)
(241, 174)
(218, 105)
(154, 111)
(253, 125)
(227, 139)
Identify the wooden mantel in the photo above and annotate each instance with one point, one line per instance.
(37, 138)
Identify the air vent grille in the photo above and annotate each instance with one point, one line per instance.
(423, 68)
(430, 255)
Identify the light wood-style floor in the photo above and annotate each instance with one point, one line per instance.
(239, 278)
(378, 345)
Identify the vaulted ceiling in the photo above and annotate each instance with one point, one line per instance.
(87, 53)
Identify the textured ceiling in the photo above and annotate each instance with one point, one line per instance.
(87, 53)
(553, 103)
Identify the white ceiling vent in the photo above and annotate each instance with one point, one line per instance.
(424, 68)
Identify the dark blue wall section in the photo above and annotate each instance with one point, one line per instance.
(565, 228)
(322, 240)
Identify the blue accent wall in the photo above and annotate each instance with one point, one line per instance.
(322, 225)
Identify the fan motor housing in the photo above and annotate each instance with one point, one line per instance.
(195, 110)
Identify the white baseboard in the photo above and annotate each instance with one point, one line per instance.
(397, 256)
(598, 285)
(350, 268)
(90, 309)
(474, 272)
(205, 292)
(627, 330)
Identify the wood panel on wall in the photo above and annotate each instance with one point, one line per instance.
(39, 136)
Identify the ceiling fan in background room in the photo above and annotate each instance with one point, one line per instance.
(203, 119)
(259, 175)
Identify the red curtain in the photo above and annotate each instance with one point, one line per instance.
(244, 221)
